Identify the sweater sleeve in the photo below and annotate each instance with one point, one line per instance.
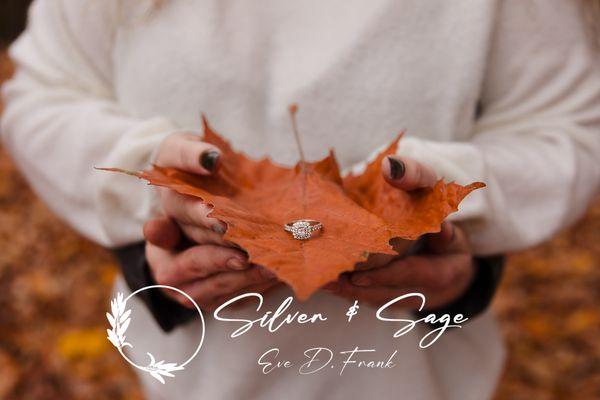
(61, 119)
(537, 142)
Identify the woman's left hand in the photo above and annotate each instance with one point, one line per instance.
(442, 272)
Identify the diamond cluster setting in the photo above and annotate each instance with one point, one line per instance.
(301, 230)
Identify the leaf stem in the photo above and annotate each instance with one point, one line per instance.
(293, 110)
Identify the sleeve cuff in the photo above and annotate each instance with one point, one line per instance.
(136, 271)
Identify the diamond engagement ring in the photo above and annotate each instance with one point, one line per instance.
(303, 229)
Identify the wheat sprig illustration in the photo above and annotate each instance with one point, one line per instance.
(160, 369)
(119, 321)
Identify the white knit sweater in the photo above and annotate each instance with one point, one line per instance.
(102, 82)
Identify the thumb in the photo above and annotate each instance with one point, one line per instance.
(187, 152)
(162, 232)
(450, 239)
(406, 173)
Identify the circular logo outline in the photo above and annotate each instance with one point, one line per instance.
(119, 319)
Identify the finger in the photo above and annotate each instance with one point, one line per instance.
(188, 210)
(201, 235)
(159, 259)
(187, 152)
(256, 288)
(200, 262)
(401, 246)
(410, 270)
(435, 271)
(450, 239)
(376, 295)
(162, 232)
(207, 290)
(407, 174)
(375, 260)
(439, 242)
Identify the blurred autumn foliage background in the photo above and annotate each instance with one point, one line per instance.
(55, 287)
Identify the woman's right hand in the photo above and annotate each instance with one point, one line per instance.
(211, 269)
(187, 152)
(209, 273)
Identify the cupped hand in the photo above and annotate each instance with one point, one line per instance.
(442, 271)
(185, 248)
(209, 273)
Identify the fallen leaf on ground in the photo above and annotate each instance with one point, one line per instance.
(82, 343)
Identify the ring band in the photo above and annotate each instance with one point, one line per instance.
(303, 229)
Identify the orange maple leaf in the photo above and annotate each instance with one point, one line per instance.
(408, 214)
(360, 214)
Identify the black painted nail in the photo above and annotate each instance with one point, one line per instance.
(209, 160)
(397, 168)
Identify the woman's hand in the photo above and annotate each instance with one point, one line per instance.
(209, 273)
(442, 273)
(186, 152)
(212, 270)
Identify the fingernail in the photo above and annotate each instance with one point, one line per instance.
(266, 273)
(332, 287)
(397, 168)
(209, 160)
(236, 264)
(218, 228)
(361, 280)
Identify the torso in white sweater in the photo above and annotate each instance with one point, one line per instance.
(103, 82)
